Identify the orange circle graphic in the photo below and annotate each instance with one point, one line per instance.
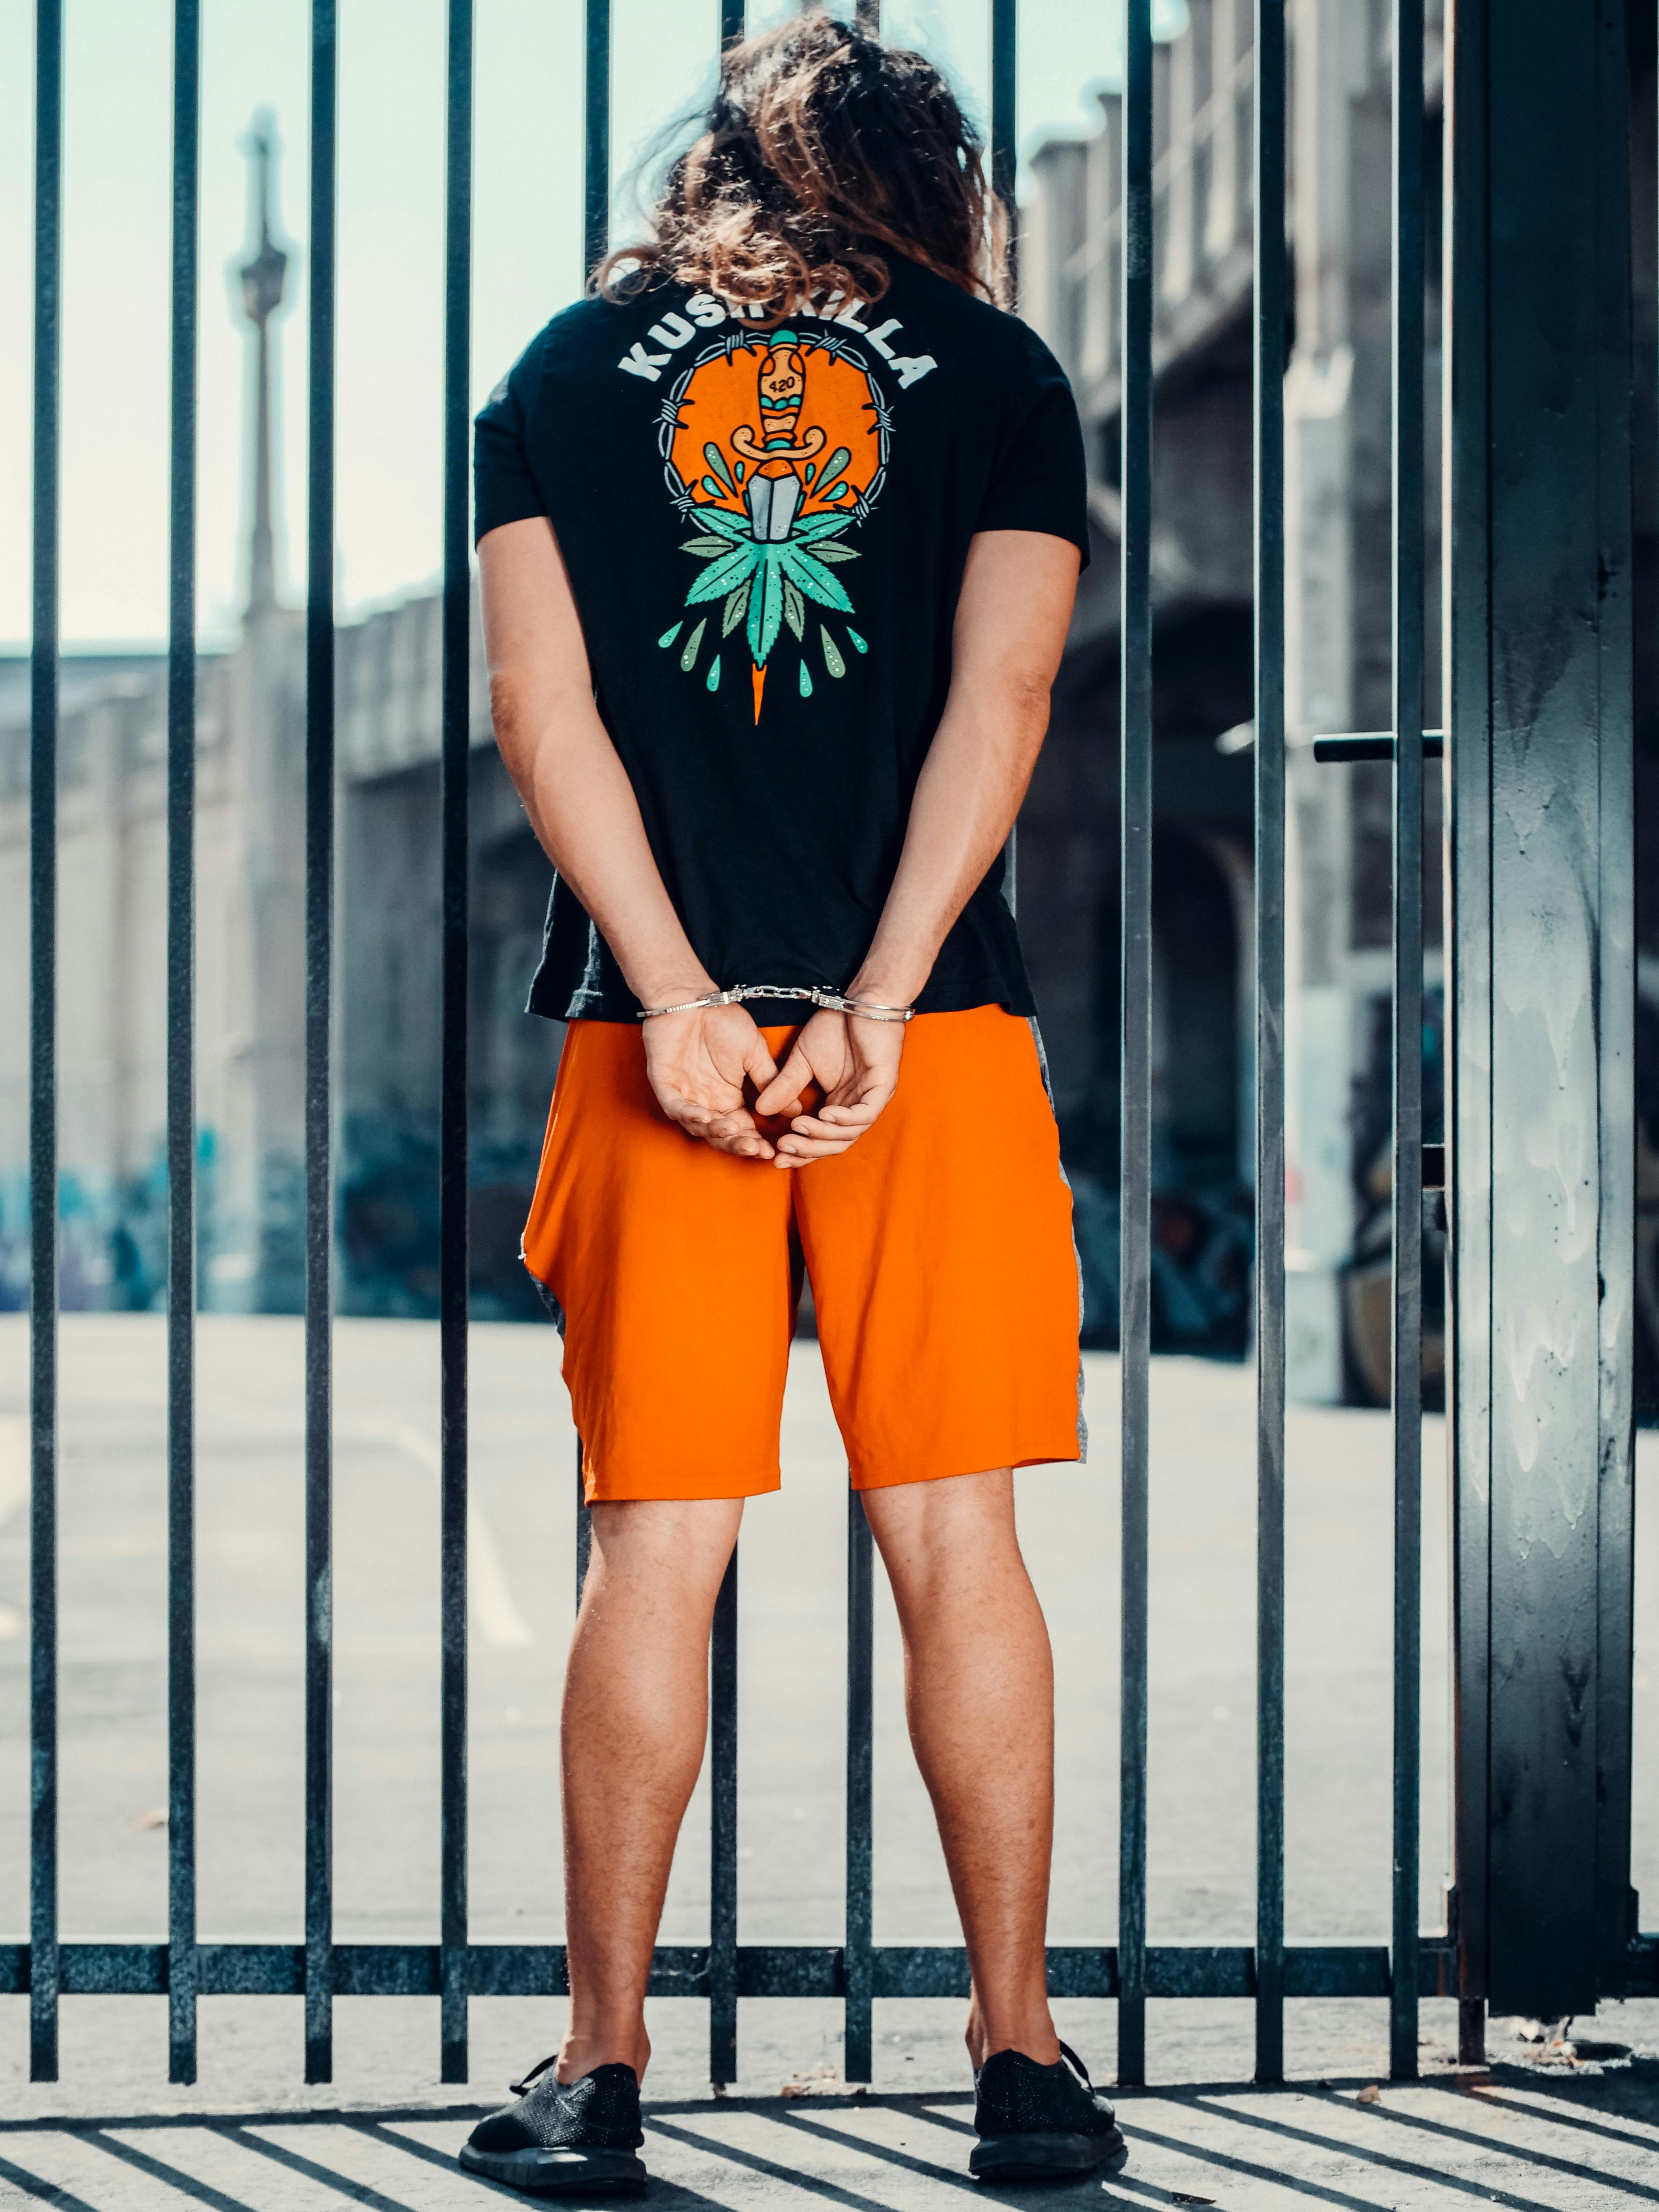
(838, 416)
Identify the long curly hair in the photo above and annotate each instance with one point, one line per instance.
(822, 147)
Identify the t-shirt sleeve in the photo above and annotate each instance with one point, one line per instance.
(1038, 478)
(503, 490)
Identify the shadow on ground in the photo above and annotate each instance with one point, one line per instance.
(1517, 2136)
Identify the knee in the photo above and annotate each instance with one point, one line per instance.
(662, 1550)
(933, 1536)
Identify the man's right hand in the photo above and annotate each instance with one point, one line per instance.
(697, 1062)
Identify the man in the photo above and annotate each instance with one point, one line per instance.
(791, 439)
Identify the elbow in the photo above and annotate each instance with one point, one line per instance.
(1025, 698)
(532, 717)
(521, 711)
(1028, 694)
(506, 706)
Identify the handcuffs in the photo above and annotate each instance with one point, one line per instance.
(867, 1009)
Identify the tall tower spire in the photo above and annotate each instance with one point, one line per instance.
(264, 277)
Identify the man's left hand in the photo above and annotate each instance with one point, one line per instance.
(854, 1061)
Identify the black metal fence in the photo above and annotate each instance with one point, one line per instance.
(857, 1972)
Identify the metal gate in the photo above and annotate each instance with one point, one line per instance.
(1543, 1653)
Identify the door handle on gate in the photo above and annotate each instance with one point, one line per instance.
(1373, 746)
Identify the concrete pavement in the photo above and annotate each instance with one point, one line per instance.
(1526, 2138)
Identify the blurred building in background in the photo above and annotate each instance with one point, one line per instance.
(250, 822)
(1338, 655)
(250, 840)
(1339, 619)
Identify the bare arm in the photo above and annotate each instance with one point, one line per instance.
(582, 807)
(1010, 623)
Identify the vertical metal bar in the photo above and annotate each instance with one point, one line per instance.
(1408, 1043)
(1005, 134)
(1135, 1039)
(723, 1832)
(596, 135)
(182, 1052)
(1005, 122)
(43, 1050)
(319, 980)
(584, 1528)
(1269, 379)
(596, 239)
(454, 1258)
(857, 2036)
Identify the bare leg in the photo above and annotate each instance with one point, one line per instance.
(635, 1714)
(980, 1696)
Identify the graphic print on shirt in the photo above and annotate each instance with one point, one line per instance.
(773, 447)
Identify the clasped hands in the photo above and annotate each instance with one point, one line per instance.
(702, 1066)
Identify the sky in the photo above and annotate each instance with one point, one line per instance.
(526, 249)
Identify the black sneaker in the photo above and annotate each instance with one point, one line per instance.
(1041, 2123)
(559, 2136)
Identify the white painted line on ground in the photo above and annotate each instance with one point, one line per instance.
(487, 1587)
(14, 1464)
(491, 1593)
(14, 1496)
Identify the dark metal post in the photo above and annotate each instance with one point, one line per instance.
(1615, 967)
(723, 1832)
(1542, 819)
(1269, 334)
(454, 767)
(1467, 786)
(43, 1050)
(318, 1028)
(1408, 1340)
(857, 2037)
(1135, 1043)
(181, 1053)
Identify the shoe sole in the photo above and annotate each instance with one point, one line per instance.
(541, 2172)
(1045, 2157)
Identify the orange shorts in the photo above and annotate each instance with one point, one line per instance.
(939, 1247)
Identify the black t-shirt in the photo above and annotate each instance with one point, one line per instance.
(765, 533)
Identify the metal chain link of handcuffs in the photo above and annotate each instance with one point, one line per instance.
(867, 1009)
